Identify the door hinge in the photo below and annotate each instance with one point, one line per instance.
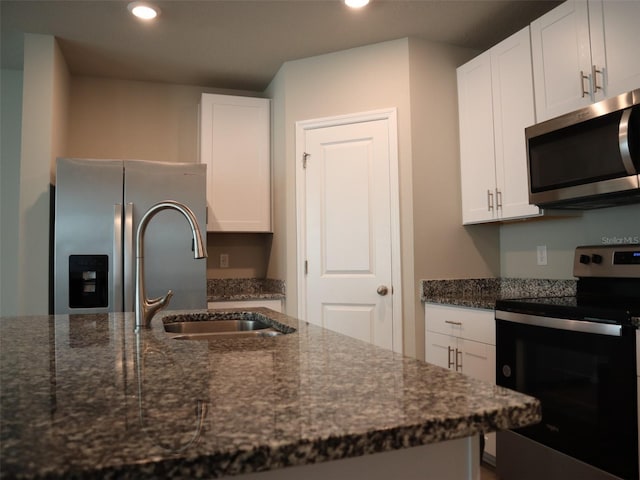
(306, 267)
(305, 155)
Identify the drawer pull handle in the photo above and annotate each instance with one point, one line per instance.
(450, 322)
(450, 362)
(584, 77)
(594, 71)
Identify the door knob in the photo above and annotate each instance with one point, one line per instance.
(382, 290)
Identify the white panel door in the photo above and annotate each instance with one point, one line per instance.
(348, 230)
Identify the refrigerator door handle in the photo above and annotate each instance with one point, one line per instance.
(128, 258)
(117, 258)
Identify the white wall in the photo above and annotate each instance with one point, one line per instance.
(518, 241)
(10, 125)
(44, 121)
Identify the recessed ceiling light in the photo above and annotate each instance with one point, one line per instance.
(144, 11)
(356, 3)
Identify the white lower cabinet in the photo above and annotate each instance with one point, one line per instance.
(463, 340)
(272, 304)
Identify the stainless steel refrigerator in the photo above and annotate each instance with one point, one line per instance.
(98, 205)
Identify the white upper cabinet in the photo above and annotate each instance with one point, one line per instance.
(235, 145)
(495, 101)
(584, 52)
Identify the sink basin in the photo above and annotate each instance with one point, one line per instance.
(212, 325)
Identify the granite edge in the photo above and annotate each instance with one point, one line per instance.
(483, 292)
(236, 289)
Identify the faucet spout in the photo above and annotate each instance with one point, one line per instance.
(146, 308)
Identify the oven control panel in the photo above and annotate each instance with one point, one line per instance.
(622, 261)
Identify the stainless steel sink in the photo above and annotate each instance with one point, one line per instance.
(216, 325)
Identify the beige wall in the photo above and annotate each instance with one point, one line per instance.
(281, 264)
(133, 120)
(44, 123)
(518, 241)
(351, 81)
(417, 78)
(248, 254)
(443, 248)
(10, 125)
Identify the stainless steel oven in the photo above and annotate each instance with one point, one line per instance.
(578, 356)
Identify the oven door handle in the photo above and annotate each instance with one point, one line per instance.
(560, 323)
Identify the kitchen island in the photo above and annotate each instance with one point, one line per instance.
(84, 396)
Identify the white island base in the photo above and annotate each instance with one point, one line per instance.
(450, 460)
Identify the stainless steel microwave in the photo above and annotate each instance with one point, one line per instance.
(589, 158)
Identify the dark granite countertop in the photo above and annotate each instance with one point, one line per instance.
(236, 289)
(483, 292)
(83, 396)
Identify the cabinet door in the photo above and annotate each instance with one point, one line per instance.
(477, 155)
(513, 111)
(478, 360)
(441, 349)
(560, 48)
(615, 45)
(234, 143)
(475, 359)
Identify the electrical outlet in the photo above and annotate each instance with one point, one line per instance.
(224, 260)
(541, 255)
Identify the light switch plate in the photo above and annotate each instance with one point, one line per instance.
(224, 260)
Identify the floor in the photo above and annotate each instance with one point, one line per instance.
(487, 472)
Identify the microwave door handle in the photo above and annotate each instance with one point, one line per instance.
(623, 140)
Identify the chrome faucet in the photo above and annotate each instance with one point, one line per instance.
(146, 308)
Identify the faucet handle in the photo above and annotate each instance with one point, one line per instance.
(161, 302)
(151, 306)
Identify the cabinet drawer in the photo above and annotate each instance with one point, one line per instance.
(468, 323)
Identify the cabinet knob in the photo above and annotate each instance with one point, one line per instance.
(382, 290)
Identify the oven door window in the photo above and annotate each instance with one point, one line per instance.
(586, 384)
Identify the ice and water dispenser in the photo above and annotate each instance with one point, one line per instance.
(88, 281)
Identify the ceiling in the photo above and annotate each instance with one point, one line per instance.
(239, 44)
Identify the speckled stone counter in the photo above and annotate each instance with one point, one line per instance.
(86, 397)
(234, 289)
(483, 292)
